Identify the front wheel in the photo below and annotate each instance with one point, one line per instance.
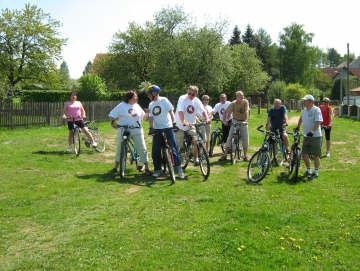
(278, 154)
(258, 166)
(204, 161)
(212, 144)
(297, 163)
(77, 142)
(123, 157)
(99, 139)
(184, 157)
(233, 149)
(169, 163)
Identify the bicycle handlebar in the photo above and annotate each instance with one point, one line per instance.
(72, 117)
(129, 126)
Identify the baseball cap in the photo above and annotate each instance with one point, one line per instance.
(308, 97)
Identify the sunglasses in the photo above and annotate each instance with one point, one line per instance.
(191, 94)
(205, 99)
(325, 102)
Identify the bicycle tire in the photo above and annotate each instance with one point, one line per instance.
(296, 164)
(204, 161)
(169, 163)
(77, 142)
(221, 143)
(258, 166)
(239, 149)
(184, 157)
(123, 157)
(99, 139)
(233, 150)
(212, 144)
(278, 154)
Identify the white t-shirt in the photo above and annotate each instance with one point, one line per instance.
(159, 110)
(208, 110)
(128, 114)
(309, 117)
(189, 108)
(220, 109)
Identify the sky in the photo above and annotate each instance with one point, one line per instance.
(89, 25)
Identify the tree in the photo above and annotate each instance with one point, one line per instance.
(29, 45)
(333, 57)
(276, 90)
(87, 68)
(235, 38)
(249, 37)
(92, 87)
(297, 57)
(294, 91)
(64, 73)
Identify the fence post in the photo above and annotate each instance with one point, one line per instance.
(259, 105)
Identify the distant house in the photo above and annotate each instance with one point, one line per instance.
(341, 70)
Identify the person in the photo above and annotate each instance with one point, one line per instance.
(277, 121)
(311, 118)
(327, 114)
(185, 115)
(239, 109)
(75, 108)
(130, 113)
(220, 109)
(161, 116)
(205, 129)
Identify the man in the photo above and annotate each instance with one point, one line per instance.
(220, 109)
(311, 119)
(277, 120)
(239, 109)
(161, 116)
(185, 115)
(205, 129)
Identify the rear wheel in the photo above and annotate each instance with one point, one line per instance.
(184, 157)
(296, 164)
(77, 142)
(233, 150)
(123, 157)
(221, 143)
(212, 144)
(258, 166)
(169, 164)
(204, 161)
(278, 154)
(99, 139)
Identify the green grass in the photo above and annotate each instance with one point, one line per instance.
(61, 212)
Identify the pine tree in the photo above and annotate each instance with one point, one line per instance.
(87, 68)
(235, 39)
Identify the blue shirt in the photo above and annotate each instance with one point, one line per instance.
(277, 117)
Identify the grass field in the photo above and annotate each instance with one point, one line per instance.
(61, 212)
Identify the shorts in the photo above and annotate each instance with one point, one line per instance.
(79, 123)
(327, 133)
(179, 136)
(311, 145)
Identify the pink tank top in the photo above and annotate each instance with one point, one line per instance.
(73, 109)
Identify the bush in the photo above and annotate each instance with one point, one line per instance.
(92, 87)
(52, 96)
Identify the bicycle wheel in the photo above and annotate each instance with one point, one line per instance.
(278, 154)
(123, 157)
(184, 157)
(77, 142)
(258, 166)
(233, 150)
(296, 164)
(221, 143)
(204, 161)
(169, 163)
(239, 149)
(99, 139)
(212, 144)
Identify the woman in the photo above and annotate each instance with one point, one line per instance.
(130, 113)
(327, 114)
(74, 108)
(205, 129)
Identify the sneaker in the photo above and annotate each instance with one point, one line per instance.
(327, 154)
(69, 149)
(181, 174)
(156, 174)
(196, 162)
(94, 144)
(307, 173)
(114, 170)
(246, 159)
(313, 176)
(223, 158)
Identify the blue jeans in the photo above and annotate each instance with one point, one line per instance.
(156, 149)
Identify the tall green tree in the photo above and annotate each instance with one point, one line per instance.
(249, 37)
(236, 36)
(276, 90)
(297, 57)
(87, 68)
(64, 73)
(29, 44)
(333, 57)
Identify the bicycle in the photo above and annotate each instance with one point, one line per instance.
(186, 152)
(216, 139)
(235, 149)
(277, 149)
(260, 162)
(128, 146)
(78, 136)
(295, 155)
(167, 153)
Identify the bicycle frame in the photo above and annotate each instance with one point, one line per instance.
(235, 149)
(76, 131)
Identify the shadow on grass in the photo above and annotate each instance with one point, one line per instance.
(60, 153)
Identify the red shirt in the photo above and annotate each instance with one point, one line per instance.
(326, 115)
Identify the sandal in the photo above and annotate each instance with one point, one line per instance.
(147, 172)
(140, 168)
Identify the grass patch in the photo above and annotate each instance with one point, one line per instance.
(61, 212)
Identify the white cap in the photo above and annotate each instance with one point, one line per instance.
(308, 97)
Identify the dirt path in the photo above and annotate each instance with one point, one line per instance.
(293, 120)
